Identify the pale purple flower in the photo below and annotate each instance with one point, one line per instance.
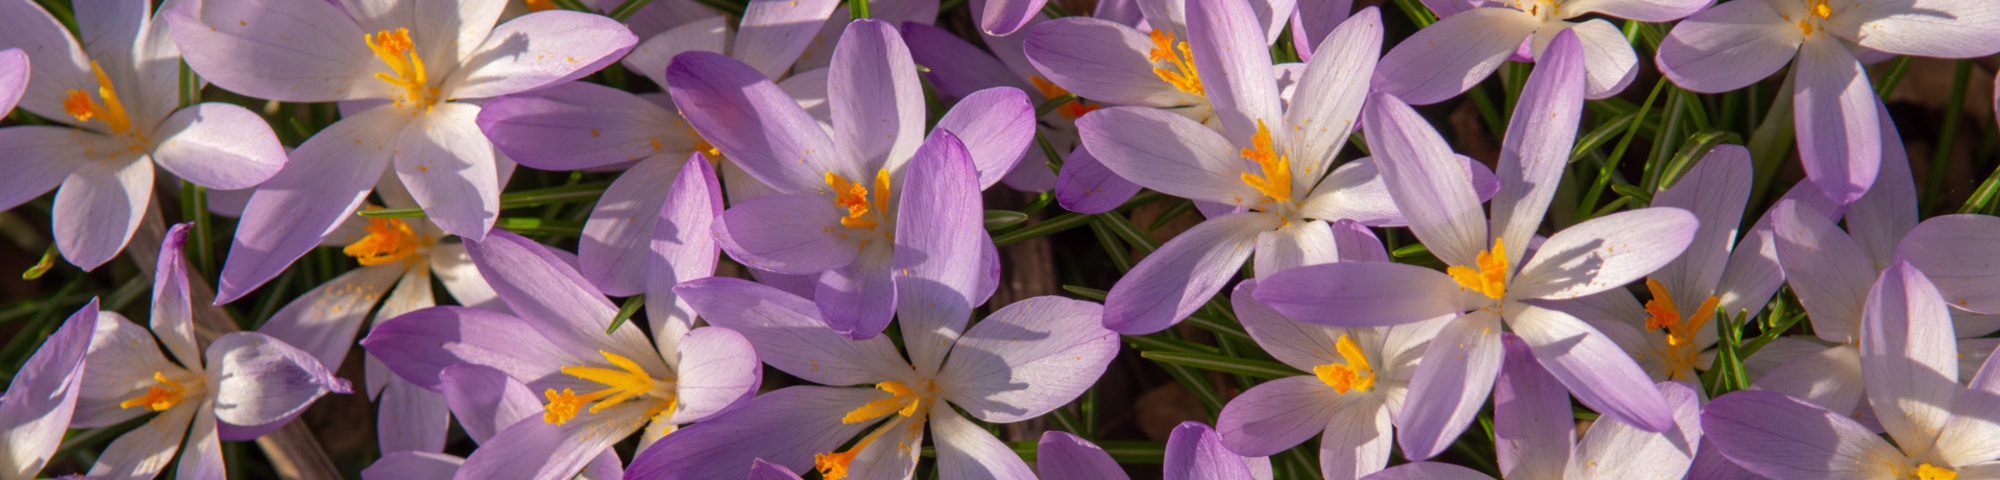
(117, 97)
(485, 401)
(410, 74)
(248, 380)
(1194, 452)
(37, 406)
(834, 216)
(1467, 44)
(1956, 252)
(1910, 365)
(599, 387)
(1313, 20)
(1019, 363)
(1535, 433)
(958, 69)
(1502, 285)
(1741, 42)
(13, 78)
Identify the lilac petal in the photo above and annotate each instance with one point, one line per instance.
(957, 67)
(306, 54)
(1085, 185)
(420, 344)
(893, 455)
(1909, 360)
(774, 32)
(617, 240)
(13, 77)
(1033, 174)
(126, 360)
(1612, 449)
(1433, 191)
(1357, 442)
(485, 400)
(785, 427)
(1178, 278)
(259, 379)
(1715, 191)
(1829, 377)
(1754, 274)
(996, 125)
(454, 268)
(788, 333)
(1783, 437)
(1600, 374)
(1062, 456)
(1729, 46)
(681, 249)
(1882, 217)
(413, 466)
(1839, 137)
(858, 300)
(580, 125)
(570, 45)
(324, 320)
(1452, 55)
(1429, 470)
(938, 248)
(878, 106)
(143, 452)
(1224, 36)
(1280, 414)
(1356, 244)
(1827, 270)
(539, 450)
(42, 396)
(1194, 452)
(327, 179)
(1969, 435)
(412, 419)
(1450, 385)
(1028, 358)
(750, 120)
(1537, 145)
(1532, 426)
(1004, 17)
(1361, 294)
(1950, 29)
(762, 470)
(651, 56)
(1331, 91)
(1710, 464)
(1952, 250)
(1295, 245)
(1312, 21)
(219, 146)
(97, 209)
(201, 457)
(172, 314)
(1165, 151)
(1299, 344)
(448, 166)
(1605, 253)
(965, 450)
(715, 369)
(1101, 61)
(792, 234)
(552, 297)
(1642, 10)
(1611, 64)
(37, 159)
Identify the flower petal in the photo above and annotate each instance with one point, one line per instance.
(38, 158)
(219, 146)
(1537, 146)
(1429, 470)
(716, 369)
(1004, 17)
(1433, 191)
(681, 250)
(126, 358)
(539, 49)
(1194, 452)
(1969, 435)
(98, 208)
(414, 419)
(553, 297)
(1165, 151)
(1909, 359)
(143, 452)
(539, 450)
(1101, 61)
(1332, 90)
(966, 451)
(1827, 270)
(1313, 21)
(1839, 134)
(617, 240)
(789, 334)
(996, 126)
(1450, 56)
(1028, 358)
(172, 314)
(1295, 245)
(1951, 250)
(651, 56)
(448, 166)
(1450, 385)
(413, 466)
(1934, 28)
(42, 396)
(1299, 344)
(1361, 294)
(1753, 274)
(1783, 437)
(1062, 456)
(1728, 46)
(1533, 429)
(749, 119)
(1178, 278)
(485, 400)
(1280, 414)
(785, 427)
(54, 63)
(258, 379)
(878, 106)
(580, 125)
(1225, 37)
(1357, 442)
(1829, 377)
(324, 320)
(859, 300)
(1613, 449)
(1610, 65)
(762, 470)
(938, 248)
(1882, 217)
(291, 51)
(957, 67)
(454, 268)
(775, 32)
(1605, 253)
(1086, 185)
(420, 344)
(1715, 191)
(1600, 374)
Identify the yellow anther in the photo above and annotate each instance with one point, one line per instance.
(1355, 374)
(388, 240)
(855, 198)
(1821, 9)
(1275, 182)
(1490, 277)
(901, 401)
(1681, 353)
(399, 53)
(111, 112)
(628, 381)
(156, 398)
(1933, 472)
(1165, 49)
(1070, 110)
(563, 406)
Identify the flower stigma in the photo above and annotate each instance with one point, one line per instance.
(1355, 374)
(854, 197)
(1490, 277)
(396, 50)
(1187, 79)
(388, 240)
(156, 398)
(1275, 179)
(1933, 472)
(902, 400)
(111, 112)
(1817, 12)
(621, 386)
(1070, 110)
(1681, 353)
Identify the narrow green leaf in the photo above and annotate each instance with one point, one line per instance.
(1002, 219)
(1893, 77)
(625, 10)
(625, 312)
(1155, 343)
(1090, 293)
(1054, 103)
(1128, 232)
(41, 267)
(857, 9)
(537, 226)
(583, 192)
(1953, 112)
(1597, 137)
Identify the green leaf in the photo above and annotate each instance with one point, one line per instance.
(1147, 343)
(537, 226)
(1001, 219)
(1054, 103)
(1219, 363)
(1090, 293)
(625, 312)
(1692, 152)
(584, 192)
(41, 267)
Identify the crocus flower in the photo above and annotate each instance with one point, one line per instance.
(958, 69)
(599, 387)
(117, 98)
(13, 78)
(833, 216)
(1194, 452)
(248, 379)
(38, 404)
(1739, 43)
(1502, 285)
(412, 84)
(1312, 21)
(485, 401)
(1461, 49)
(1953, 250)
(1020, 362)
(1535, 433)
(1911, 369)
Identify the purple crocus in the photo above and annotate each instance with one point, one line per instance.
(1470, 41)
(1020, 362)
(599, 388)
(117, 98)
(833, 217)
(39, 401)
(1500, 285)
(1910, 365)
(411, 75)
(1535, 433)
(13, 78)
(1194, 452)
(958, 69)
(249, 380)
(485, 401)
(1739, 43)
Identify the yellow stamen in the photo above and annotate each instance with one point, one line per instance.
(1821, 9)
(1681, 354)
(902, 401)
(158, 399)
(541, 5)
(1070, 110)
(1276, 180)
(388, 240)
(1354, 375)
(1933, 472)
(855, 198)
(1490, 277)
(1187, 79)
(623, 384)
(111, 112)
(399, 53)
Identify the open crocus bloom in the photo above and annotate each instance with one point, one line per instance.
(958, 69)
(598, 388)
(1460, 50)
(1942, 430)
(1019, 363)
(249, 380)
(485, 401)
(117, 97)
(1432, 189)
(836, 215)
(413, 70)
(1537, 433)
(38, 404)
(13, 78)
(1194, 452)
(1739, 43)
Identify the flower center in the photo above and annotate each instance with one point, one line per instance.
(902, 400)
(388, 240)
(1275, 181)
(1932, 472)
(854, 197)
(1355, 374)
(111, 112)
(396, 50)
(1681, 353)
(1817, 12)
(1164, 49)
(1069, 110)
(1490, 276)
(156, 398)
(620, 386)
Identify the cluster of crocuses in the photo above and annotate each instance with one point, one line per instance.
(801, 139)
